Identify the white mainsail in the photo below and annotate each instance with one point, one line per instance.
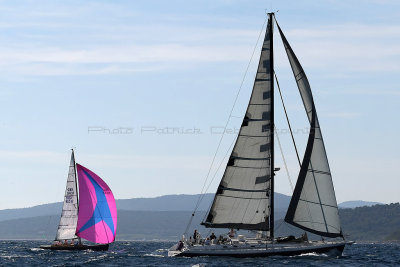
(69, 215)
(313, 206)
(243, 198)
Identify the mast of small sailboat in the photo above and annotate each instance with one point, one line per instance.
(272, 126)
(77, 188)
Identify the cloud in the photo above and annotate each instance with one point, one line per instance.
(170, 162)
(373, 92)
(348, 48)
(106, 49)
(136, 58)
(343, 115)
(31, 156)
(126, 54)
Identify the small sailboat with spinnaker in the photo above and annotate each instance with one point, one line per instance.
(89, 212)
(245, 196)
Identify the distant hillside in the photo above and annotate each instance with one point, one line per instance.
(379, 222)
(394, 236)
(356, 203)
(166, 203)
(163, 203)
(45, 209)
(376, 223)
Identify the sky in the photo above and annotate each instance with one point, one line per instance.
(142, 91)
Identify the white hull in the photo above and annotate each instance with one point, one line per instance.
(258, 249)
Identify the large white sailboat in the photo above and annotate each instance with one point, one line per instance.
(245, 196)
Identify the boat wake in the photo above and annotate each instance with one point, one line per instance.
(313, 254)
(154, 255)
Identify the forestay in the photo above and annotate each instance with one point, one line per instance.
(69, 215)
(313, 205)
(242, 200)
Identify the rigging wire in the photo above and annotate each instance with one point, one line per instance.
(215, 174)
(284, 160)
(294, 143)
(286, 168)
(202, 195)
(287, 119)
(226, 125)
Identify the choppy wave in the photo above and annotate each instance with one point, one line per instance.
(313, 254)
(26, 253)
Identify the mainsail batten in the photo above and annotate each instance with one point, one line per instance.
(243, 198)
(313, 206)
(69, 215)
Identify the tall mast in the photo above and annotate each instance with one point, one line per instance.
(76, 183)
(76, 186)
(272, 126)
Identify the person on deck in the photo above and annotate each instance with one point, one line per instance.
(213, 237)
(180, 245)
(196, 236)
(232, 233)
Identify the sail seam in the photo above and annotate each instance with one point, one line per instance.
(300, 221)
(241, 190)
(326, 205)
(319, 172)
(319, 197)
(255, 198)
(246, 167)
(256, 120)
(246, 135)
(240, 158)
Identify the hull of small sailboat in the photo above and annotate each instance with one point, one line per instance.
(100, 247)
(265, 250)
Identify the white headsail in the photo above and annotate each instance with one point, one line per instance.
(313, 205)
(69, 215)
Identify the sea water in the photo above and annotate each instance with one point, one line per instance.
(154, 253)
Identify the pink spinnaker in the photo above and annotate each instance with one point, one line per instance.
(97, 215)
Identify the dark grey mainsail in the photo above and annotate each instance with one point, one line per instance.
(243, 198)
(313, 206)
